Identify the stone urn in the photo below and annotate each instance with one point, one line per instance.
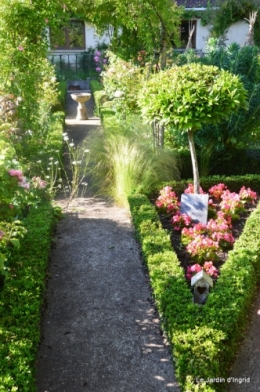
(81, 98)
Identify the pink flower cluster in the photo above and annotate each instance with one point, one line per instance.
(99, 61)
(217, 190)
(247, 195)
(21, 179)
(168, 201)
(180, 220)
(203, 242)
(208, 267)
(231, 203)
(203, 247)
(190, 189)
(39, 183)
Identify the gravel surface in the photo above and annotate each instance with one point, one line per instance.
(100, 328)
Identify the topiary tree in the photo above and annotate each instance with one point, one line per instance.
(189, 97)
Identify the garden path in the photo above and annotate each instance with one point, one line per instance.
(100, 329)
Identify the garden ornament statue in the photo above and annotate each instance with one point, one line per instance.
(201, 282)
(81, 98)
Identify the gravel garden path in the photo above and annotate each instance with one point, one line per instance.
(100, 329)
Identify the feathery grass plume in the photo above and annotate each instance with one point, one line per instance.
(126, 160)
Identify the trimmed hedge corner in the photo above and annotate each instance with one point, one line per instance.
(204, 338)
(21, 302)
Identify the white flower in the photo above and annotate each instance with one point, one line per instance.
(86, 150)
(71, 144)
(118, 94)
(66, 138)
(39, 161)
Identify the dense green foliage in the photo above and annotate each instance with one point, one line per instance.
(243, 127)
(21, 303)
(190, 96)
(229, 12)
(219, 163)
(139, 25)
(205, 339)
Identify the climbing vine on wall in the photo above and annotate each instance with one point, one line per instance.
(232, 11)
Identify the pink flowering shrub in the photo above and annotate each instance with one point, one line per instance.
(100, 61)
(217, 190)
(167, 201)
(204, 242)
(231, 204)
(188, 234)
(247, 195)
(180, 220)
(190, 189)
(208, 267)
(202, 248)
(39, 183)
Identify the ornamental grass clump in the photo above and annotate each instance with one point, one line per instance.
(124, 160)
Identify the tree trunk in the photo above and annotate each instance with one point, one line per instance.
(191, 31)
(194, 161)
(158, 135)
(250, 35)
(163, 48)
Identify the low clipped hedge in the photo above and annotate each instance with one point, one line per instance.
(103, 107)
(61, 99)
(204, 338)
(224, 163)
(21, 302)
(234, 183)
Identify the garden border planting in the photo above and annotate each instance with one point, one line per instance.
(22, 294)
(21, 302)
(204, 338)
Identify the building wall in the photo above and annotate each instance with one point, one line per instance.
(236, 33)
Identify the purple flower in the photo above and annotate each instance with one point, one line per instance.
(104, 61)
(96, 58)
(98, 69)
(97, 53)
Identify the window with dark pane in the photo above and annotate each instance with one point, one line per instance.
(185, 26)
(72, 36)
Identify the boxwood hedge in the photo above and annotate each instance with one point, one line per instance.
(21, 302)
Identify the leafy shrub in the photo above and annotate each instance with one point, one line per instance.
(122, 80)
(239, 129)
(21, 302)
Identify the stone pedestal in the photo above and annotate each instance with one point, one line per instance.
(81, 98)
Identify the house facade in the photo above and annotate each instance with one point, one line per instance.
(81, 37)
(236, 33)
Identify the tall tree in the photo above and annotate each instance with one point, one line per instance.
(189, 97)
